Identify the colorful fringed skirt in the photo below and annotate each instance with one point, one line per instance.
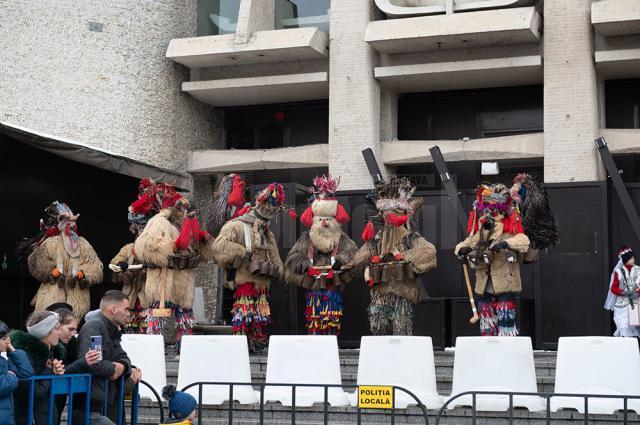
(323, 312)
(137, 323)
(497, 315)
(390, 314)
(183, 317)
(251, 314)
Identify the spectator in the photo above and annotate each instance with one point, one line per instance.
(114, 312)
(182, 406)
(41, 344)
(73, 364)
(16, 367)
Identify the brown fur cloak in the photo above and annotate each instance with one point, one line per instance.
(416, 250)
(505, 275)
(132, 281)
(153, 247)
(44, 259)
(298, 262)
(229, 251)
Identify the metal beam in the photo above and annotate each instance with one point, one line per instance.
(618, 185)
(450, 186)
(372, 165)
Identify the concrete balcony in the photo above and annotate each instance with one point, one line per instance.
(459, 75)
(263, 46)
(484, 28)
(405, 152)
(616, 17)
(233, 160)
(622, 141)
(260, 90)
(400, 9)
(615, 64)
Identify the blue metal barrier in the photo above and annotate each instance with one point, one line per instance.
(81, 384)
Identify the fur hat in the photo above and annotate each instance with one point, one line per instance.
(625, 254)
(397, 195)
(324, 203)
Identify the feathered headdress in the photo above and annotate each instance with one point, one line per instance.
(228, 202)
(152, 197)
(272, 195)
(55, 213)
(395, 196)
(495, 199)
(537, 218)
(324, 202)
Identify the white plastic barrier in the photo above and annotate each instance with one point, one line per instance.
(147, 353)
(495, 364)
(403, 361)
(304, 360)
(216, 358)
(597, 365)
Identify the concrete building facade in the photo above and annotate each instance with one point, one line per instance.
(142, 80)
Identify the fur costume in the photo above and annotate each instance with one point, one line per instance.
(624, 291)
(495, 244)
(133, 281)
(248, 252)
(393, 258)
(171, 246)
(65, 263)
(324, 245)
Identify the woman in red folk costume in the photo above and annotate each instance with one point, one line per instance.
(171, 246)
(493, 248)
(393, 258)
(247, 250)
(133, 278)
(65, 263)
(317, 260)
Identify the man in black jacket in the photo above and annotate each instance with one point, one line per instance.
(114, 312)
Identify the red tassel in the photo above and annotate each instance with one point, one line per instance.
(471, 222)
(396, 220)
(185, 235)
(292, 214)
(236, 197)
(142, 206)
(52, 231)
(369, 232)
(307, 217)
(513, 224)
(341, 215)
(196, 232)
(241, 211)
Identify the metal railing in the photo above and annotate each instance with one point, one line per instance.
(325, 387)
(547, 396)
(72, 384)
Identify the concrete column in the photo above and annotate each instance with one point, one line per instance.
(254, 16)
(388, 115)
(206, 273)
(570, 94)
(354, 94)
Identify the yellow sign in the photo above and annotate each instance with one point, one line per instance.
(375, 397)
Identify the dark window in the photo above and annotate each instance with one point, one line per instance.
(470, 113)
(277, 126)
(622, 100)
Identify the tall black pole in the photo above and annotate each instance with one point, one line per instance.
(449, 185)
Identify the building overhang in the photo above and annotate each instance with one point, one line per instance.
(260, 90)
(399, 9)
(470, 74)
(616, 17)
(99, 158)
(473, 29)
(622, 63)
(230, 160)
(406, 152)
(265, 46)
(622, 141)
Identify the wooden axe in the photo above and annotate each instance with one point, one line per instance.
(475, 317)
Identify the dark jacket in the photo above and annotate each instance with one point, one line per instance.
(112, 352)
(20, 367)
(38, 353)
